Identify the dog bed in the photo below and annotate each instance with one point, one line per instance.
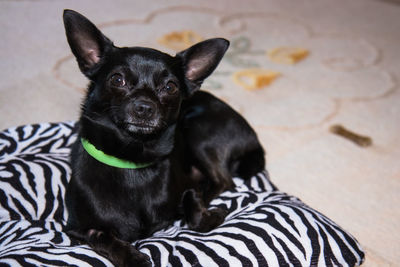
(265, 227)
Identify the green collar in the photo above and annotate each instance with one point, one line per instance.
(110, 160)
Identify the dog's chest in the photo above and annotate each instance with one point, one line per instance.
(134, 203)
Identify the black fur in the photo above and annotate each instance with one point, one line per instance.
(219, 143)
(143, 106)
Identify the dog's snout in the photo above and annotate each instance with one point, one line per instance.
(144, 109)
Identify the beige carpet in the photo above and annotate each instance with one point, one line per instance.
(350, 77)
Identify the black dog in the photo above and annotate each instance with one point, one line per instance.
(150, 148)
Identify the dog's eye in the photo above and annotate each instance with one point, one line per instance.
(117, 80)
(171, 88)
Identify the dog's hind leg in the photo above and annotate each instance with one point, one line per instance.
(219, 180)
(218, 165)
(121, 253)
(216, 177)
(248, 164)
(197, 216)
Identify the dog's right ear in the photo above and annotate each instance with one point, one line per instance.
(87, 42)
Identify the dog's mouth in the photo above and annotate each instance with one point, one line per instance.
(140, 128)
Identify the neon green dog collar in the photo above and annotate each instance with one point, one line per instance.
(110, 160)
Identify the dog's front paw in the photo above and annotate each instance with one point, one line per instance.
(211, 219)
(121, 253)
(136, 259)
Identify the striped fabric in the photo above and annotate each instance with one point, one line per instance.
(265, 227)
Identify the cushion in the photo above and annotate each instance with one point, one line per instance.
(265, 227)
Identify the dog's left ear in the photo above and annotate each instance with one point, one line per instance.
(200, 60)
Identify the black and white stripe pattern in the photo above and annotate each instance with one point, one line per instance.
(265, 227)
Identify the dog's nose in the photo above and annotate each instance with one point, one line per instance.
(144, 109)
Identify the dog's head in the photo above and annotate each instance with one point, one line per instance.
(138, 90)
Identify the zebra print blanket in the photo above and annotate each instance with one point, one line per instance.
(265, 227)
